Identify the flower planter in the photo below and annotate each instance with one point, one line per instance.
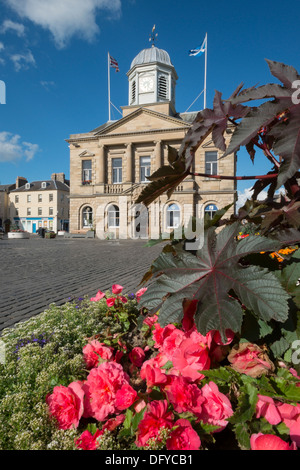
(17, 235)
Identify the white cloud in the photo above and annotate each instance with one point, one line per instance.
(9, 25)
(47, 84)
(22, 61)
(12, 149)
(247, 194)
(66, 18)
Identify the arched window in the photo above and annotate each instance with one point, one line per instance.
(210, 210)
(113, 216)
(173, 216)
(87, 217)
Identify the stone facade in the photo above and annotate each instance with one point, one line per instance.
(108, 167)
(41, 204)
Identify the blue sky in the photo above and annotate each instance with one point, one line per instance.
(53, 60)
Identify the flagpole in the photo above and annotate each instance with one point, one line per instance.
(205, 71)
(108, 66)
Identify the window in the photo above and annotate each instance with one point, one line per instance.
(44, 185)
(40, 211)
(50, 210)
(86, 171)
(133, 91)
(17, 212)
(28, 198)
(40, 198)
(210, 210)
(145, 165)
(16, 199)
(28, 211)
(211, 163)
(163, 87)
(117, 170)
(50, 197)
(173, 216)
(87, 217)
(113, 216)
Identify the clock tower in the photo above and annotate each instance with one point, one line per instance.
(152, 78)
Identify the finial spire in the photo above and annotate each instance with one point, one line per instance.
(153, 36)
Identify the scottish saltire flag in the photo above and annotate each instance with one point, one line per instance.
(198, 50)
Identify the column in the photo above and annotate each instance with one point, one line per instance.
(101, 164)
(158, 155)
(129, 168)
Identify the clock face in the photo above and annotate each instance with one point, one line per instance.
(146, 84)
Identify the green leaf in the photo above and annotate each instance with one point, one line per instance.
(209, 277)
(242, 434)
(137, 419)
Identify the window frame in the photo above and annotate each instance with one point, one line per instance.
(211, 165)
(114, 211)
(148, 166)
(170, 217)
(118, 169)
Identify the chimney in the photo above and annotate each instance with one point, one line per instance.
(20, 182)
(58, 177)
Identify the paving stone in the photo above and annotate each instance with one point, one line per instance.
(37, 272)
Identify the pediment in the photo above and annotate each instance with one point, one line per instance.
(143, 120)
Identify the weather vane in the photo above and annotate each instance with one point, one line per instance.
(153, 36)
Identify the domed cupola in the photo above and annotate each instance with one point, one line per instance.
(152, 78)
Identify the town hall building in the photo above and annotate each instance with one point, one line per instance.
(110, 164)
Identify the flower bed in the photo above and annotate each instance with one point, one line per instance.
(17, 234)
(101, 374)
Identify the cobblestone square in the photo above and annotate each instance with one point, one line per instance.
(37, 272)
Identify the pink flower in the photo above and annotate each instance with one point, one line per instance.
(111, 301)
(137, 356)
(250, 359)
(269, 442)
(184, 397)
(139, 405)
(156, 417)
(100, 390)
(159, 334)
(189, 310)
(123, 299)
(98, 296)
(217, 337)
(139, 293)
(66, 405)
(88, 441)
(290, 415)
(125, 397)
(266, 408)
(150, 320)
(113, 423)
(184, 437)
(190, 358)
(152, 374)
(93, 350)
(216, 408)
(171, 341)
(116, 289)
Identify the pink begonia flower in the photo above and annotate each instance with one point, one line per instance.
(150, 320)
(137, 356)
(184, 437)
(290, 415)
(111, 301)
(159, 334)
(100, 389)
(216, 408)
(171, 342)
(152, 374)
(88, 441)
(139, 293)
(190, 358)
(262, 441)
(155, 418)
(250, 359)
(113, 423)
(93, 350)
(98, 296)
(116, 289)
(125, 397)
(266, 408)
(66, 405)
(184, 397)
(123, 299)
(139, 405)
